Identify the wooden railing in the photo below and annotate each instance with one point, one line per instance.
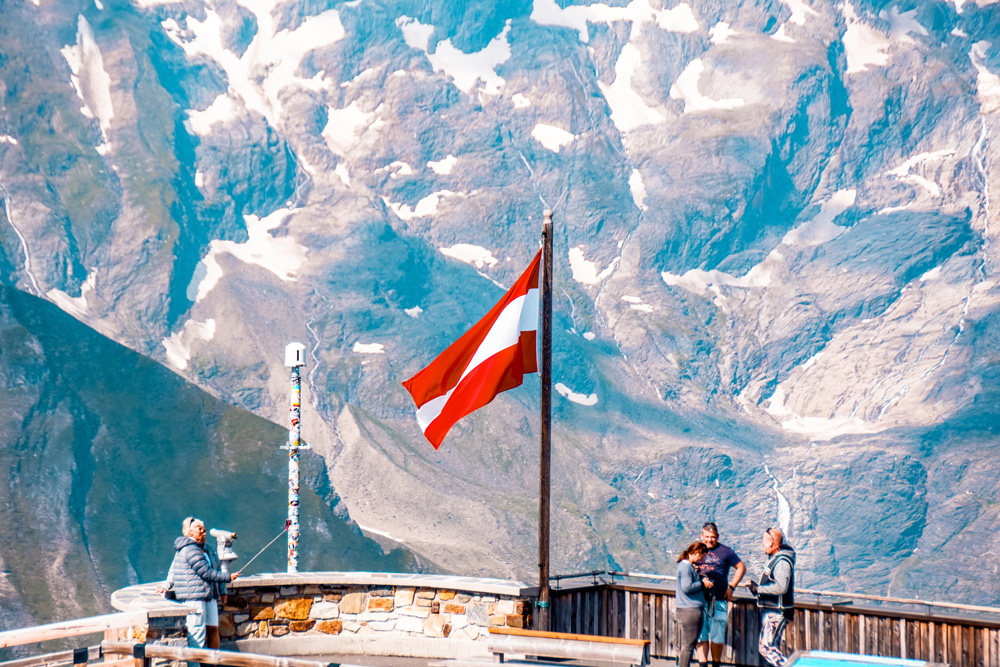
(62, 630)
(142, 655)
(648, 611)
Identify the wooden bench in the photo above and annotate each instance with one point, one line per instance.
(562, 645)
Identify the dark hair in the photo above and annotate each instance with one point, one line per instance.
(693, 549)
(711, 527)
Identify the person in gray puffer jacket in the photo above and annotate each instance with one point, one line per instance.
(195, 580)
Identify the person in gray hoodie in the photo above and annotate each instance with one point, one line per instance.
(195, 579)
(690, 594)
(775, 593)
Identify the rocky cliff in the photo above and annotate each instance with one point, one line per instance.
(776, 277)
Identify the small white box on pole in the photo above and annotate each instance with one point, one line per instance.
(295, 355)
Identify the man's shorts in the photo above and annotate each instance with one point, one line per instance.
(713, 627)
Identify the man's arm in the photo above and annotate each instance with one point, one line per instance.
(782, 574)
(740, 569)
(200, 565)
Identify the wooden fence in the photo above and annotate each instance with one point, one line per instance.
(648, 611)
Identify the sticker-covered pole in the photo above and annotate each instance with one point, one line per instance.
(295, 359)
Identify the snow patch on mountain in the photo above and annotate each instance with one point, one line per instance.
(635, 303)
(628, 110)
(470, 254)
(416, 34)
(464, 69)
(425, 207)
(863, 45)
(584, 271)
(413, 312)
(904, 171)
(552, 137)
(720, 33)
(89, 78)
(222, 110)
(821, 228)
(178, 345)
(686, 88)
(444, 166)
(75, 306)
(800, 10)
(638, 190)
(520, 101)
(344, 127)
(987, 83)
(7, 139)
(780, 36)
(570, 395)
(576, 17)
(270, 62)
(902, 24)
(281, 256)
(368, 348)
(817, 428)
(699, 281)
(396, 169)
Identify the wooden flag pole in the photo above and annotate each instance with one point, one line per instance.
(542, 620)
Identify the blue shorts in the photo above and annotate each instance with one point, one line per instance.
(713, 627)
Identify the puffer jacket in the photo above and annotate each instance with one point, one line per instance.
(192, 576)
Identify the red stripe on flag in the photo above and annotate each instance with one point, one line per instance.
(504, 370)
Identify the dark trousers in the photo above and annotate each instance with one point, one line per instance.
(689, 627)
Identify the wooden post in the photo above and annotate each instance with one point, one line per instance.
(542, 622)
(139, 658)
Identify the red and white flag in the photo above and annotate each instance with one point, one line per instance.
(489, 358)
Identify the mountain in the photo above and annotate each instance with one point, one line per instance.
(106, 451)
(776, 259)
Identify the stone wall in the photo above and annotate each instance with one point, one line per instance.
(368, 611)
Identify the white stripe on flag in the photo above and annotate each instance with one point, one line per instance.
(520, 315)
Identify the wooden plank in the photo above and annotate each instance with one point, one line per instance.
(955, 645)
(871, 634)
(843, 638)
(518, 632)
(214, 657)
(74, 628)
(672, 625)
(656, 643)
(753, 637)
(739, 633)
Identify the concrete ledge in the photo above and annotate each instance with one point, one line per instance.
(144, 597)
(404, 647)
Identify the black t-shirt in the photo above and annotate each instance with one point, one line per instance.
(715, 565)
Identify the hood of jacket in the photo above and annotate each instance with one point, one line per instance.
(183, 541)
(785, 550)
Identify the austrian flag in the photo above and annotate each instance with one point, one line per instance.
(489, 358)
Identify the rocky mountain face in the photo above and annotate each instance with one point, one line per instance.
(776, 295)
(106, 451)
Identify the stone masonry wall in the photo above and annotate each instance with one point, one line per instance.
(367, 611)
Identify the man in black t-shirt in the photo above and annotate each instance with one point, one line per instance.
(716, 565)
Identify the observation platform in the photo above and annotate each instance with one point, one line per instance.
(408, 620)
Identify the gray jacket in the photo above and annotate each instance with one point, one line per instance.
(776, 588)
(689, 591)
(193, 575)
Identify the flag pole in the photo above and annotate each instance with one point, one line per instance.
(542, 622)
